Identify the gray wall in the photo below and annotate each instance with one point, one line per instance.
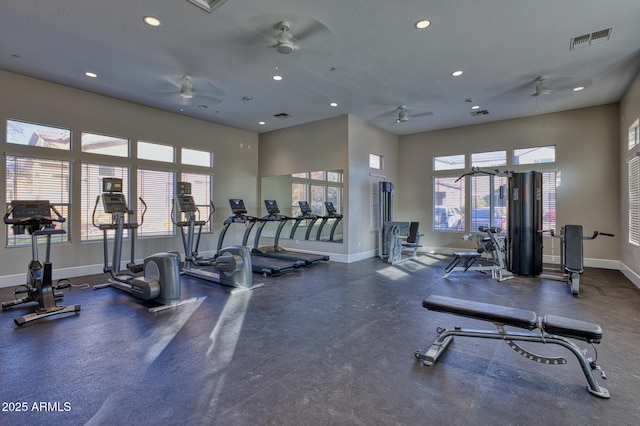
(28, 99)
(586, 143)
(338, 143)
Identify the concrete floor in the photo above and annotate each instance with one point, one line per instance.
(330, 344)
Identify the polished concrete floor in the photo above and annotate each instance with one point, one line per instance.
(331, 344)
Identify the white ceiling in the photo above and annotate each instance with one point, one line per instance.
(365, 55)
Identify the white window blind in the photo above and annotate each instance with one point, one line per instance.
(156, 189)
(38, 179)
(634, 201)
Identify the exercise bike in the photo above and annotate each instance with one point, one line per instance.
(35, 217)
(161, 271)
(571, 255)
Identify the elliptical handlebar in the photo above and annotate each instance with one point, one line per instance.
(143, 211)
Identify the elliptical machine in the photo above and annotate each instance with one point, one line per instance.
(35, 217)
(232, 263)
(161, 279)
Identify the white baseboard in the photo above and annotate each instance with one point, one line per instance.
(631, 275)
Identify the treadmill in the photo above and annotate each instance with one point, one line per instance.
(275, 251)
(260, 264)
(305, 214)
(332, 213)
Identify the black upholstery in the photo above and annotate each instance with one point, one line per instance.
(576, 329)
(482, 311)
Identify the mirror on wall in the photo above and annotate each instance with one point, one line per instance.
(314, 199)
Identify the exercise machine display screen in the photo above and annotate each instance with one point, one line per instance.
(304, 207)
(111, 185)
(237, 206)
(26, 209)
(330, 208)
(183, 188)
(272, 207)
(186, 203)
(114, 203)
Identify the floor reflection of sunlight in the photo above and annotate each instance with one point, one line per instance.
(224, 339)
(155, 342)
(404, 268)
(161, 337)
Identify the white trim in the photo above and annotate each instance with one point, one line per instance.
(631, 275)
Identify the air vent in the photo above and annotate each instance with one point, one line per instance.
(283, 115)
(480, 112)
(208, 5)
(589, 39)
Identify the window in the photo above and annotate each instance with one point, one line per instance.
(316, 188)
(92, 175)
(298, 193)
(448, 211)
(38, 179)
(634, 201)
(549, 183)
(201, 192)
(23, 133)
(488, 205)
(536, 155)
(195, 157)
(105, 145)
(155, 152)
(489, 159)
(156, 189)
(450, 162)
(634, 134)
(375, 161)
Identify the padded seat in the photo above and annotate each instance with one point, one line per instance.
(483, 311)
(576, 329)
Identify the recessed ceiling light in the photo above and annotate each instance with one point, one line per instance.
(151, 21)
(422, 24)
(457, 73)
(333, 104)
(91, 74)
(577, 89)
(475, 107)
(262, 123)
(277, 77)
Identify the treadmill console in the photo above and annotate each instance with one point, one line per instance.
(304, 207)
(272, 207)
(237, 206)
(330, 207)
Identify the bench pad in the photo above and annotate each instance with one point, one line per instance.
(576, 329)
(482, 311)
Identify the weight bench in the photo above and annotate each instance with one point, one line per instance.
(549, 329)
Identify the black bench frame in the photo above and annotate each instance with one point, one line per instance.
(549, 329)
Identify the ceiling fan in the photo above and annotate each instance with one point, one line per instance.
(186, 88)
(403, 114)
(182, 88)
(285, 42)
(542, 87)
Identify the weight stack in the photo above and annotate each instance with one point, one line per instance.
(525, 223)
